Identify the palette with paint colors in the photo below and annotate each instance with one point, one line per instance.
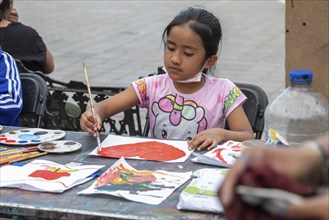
(59, 146)
(30, 136)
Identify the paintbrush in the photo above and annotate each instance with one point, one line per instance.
(99, 147)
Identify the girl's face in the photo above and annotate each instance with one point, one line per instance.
(184, 54)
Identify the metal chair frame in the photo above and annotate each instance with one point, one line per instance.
(75, 93)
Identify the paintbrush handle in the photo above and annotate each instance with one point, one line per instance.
(99, 147)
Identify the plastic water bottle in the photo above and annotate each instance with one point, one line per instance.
(298, 114)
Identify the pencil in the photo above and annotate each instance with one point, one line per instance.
(18, 150)
(11, 151)
(28, 157)
(99, 147)
(14, 157)
(8, 158)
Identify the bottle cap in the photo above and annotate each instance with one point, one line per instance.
(301, 76)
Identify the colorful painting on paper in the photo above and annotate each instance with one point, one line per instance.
(116, 146)
(151, 187)
(43, 175)
(225, 154)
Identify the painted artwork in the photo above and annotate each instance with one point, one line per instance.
(151, 187)
(201, 192)
(30, 136)
(223, 155)
(116, 146)
(46, 176)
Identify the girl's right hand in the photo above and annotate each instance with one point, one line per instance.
(13, 16)
(88, 123)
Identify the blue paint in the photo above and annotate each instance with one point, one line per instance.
(28, 137)
(36, 141)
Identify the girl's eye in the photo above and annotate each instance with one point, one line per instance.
(170, 48)
(188, 54)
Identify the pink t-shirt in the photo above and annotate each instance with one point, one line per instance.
(174, 115)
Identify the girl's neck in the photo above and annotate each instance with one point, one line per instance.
(189, 88)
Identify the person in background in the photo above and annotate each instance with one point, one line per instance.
(307, 165)
(185, 103)
(23, 42)
(11, 102)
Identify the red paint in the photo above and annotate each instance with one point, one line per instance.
(151, 150)
(11, 141)
(218, 152)
(219, 155)
(48, 175)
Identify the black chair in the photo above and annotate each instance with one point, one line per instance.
(35, 94)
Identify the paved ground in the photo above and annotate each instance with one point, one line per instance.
(121, 40)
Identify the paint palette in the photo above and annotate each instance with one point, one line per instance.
(59, 146)
(30, 136)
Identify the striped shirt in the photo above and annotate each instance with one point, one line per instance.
(11, 102)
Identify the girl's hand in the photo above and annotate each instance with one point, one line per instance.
(13, 16)
(88, 123)
(209, 139)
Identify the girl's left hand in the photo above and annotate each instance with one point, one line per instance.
(209, 139)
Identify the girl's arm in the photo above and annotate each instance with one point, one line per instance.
(107, 108)
(117, 103)
(240, 130)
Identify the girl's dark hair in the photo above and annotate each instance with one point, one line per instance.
(203, 23)
(4, 5)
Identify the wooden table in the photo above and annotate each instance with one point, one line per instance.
(68, 205)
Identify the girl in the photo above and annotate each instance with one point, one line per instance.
(185, 103)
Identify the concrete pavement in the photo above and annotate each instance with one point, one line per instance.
(121, 40)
